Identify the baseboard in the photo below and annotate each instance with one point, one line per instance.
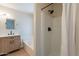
(28, 49)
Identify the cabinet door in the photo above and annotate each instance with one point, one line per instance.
(15, 43)
(0, 46)
(4, 45)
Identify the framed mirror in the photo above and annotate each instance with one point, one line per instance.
(10, 24)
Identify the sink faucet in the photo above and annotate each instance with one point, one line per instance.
(11, 33)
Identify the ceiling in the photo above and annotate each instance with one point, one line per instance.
(23, 7)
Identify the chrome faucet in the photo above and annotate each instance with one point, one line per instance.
(11, 33)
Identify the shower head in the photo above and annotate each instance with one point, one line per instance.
(50, 11)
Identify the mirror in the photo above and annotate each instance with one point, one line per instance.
(10, 24)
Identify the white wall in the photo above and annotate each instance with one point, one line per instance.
(52, 39)
(48, 43)
(56, 36)
(46, 38)
(37, 30)
(23, 23)
(24, 7)
(56, 30)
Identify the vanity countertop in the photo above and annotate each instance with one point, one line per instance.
(9, 35)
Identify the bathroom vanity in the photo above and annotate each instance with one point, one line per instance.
(9, 43)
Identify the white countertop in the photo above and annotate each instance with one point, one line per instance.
(9, 35)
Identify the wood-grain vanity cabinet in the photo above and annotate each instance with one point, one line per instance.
(10, 43)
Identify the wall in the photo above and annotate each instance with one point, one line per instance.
(37, 30)
(48, 43)
(23, 23)
(56, 36)
(52, 39)
(56, 30)
(24, 7)
(46, 35)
